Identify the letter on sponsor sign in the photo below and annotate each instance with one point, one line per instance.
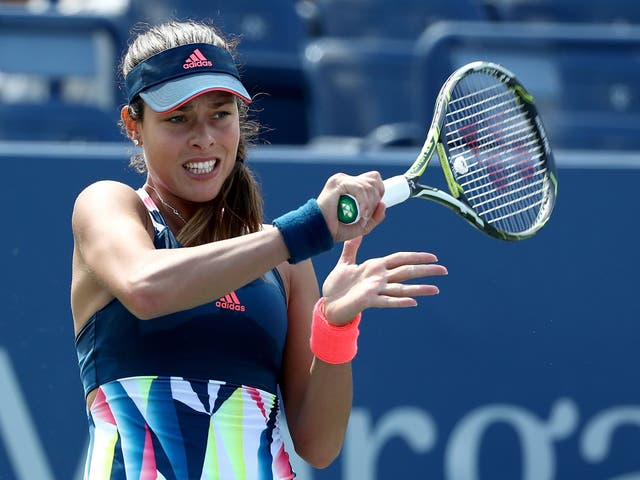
(17, 429)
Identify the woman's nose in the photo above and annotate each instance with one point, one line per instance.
(203, 135)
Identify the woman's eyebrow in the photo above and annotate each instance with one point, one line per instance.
(220, 103)
(217, 103)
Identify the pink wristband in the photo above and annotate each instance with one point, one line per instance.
(331, 343)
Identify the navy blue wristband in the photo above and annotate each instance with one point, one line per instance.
(305, 232)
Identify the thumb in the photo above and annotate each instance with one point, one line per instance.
(350, 250)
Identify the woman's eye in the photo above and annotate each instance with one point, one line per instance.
(221, 114)
(176, 119)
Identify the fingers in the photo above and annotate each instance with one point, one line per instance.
(410, 272)
(367, 189)
(404, 258)
(350, 250)
(364, 187)
(398, 295)
(398, 268)
(403, 266)
(394, 302)
(399, 290)
(377, 217)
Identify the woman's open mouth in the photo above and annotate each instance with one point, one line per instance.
(201, 168)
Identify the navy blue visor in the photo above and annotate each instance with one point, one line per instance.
(171, 78)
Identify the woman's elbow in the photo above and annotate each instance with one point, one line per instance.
(141, 299)
(321, 455)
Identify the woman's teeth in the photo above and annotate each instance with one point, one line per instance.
(200, 167)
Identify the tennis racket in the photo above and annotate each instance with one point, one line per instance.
(493, 151)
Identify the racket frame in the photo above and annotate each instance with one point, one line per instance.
(397, 190)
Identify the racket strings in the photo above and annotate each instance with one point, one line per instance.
(495, 153)
(526, 193)
(467, 111)
(526, 162)
(512, 128)
(513, 178)
(478, 93)
(516, 146)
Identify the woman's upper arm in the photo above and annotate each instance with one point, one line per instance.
(111, 232)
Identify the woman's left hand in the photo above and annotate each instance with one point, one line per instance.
(376, 283)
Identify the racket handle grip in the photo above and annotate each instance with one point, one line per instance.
(396, 190)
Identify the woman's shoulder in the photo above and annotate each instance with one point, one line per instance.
(102, 187)
(106, 196)
(106, 191)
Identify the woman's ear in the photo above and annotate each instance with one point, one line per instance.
(130, 125)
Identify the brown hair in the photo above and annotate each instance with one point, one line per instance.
(238, 208)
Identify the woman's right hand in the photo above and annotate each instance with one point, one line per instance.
(367, 189)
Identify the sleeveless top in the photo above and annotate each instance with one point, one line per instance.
(238, 338)
(192, 394)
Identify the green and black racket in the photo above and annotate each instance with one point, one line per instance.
(494, 153)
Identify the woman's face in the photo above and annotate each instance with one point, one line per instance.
(191, 151)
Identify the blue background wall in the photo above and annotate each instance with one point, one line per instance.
(525, 366)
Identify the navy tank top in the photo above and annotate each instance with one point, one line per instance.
(238, 338)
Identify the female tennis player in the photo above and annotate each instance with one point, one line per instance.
(193, 319)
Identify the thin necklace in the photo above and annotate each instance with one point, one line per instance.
(170, 207)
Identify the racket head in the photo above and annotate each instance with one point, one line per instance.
(494, 152)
